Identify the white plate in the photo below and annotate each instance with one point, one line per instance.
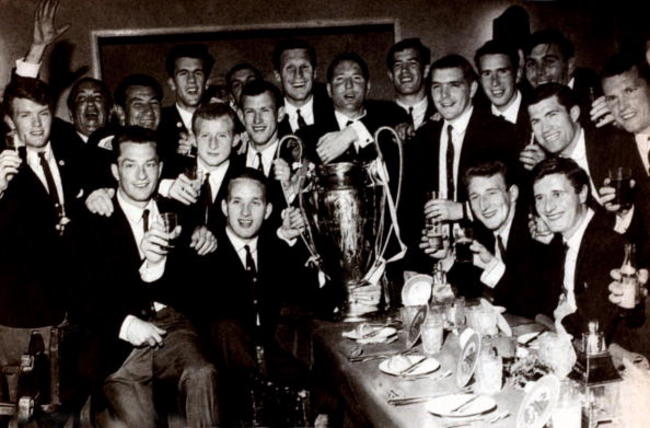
(395, 365)
(443, 406)
(356, 334)
(417, 290)
(526, 337)
(538, 403)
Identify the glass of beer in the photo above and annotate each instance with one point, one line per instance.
(620, 179)
(169, 221)
(463, 237)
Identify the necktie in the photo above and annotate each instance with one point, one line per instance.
(412, 119)
(251, 270)
(206, 196)
(260, 165)
(301, 120)
(145, 221)
(502, 248)
(648, 172)
(451, 192)
(49, 180)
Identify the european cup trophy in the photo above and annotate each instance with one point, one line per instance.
(350, 216)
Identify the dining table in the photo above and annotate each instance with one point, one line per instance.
(363, 390)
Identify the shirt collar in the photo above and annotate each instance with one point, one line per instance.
(580, 149)
(642, 139)
(134, 213)
(575, 239)
(291, 109)
(505, 233)
(420, 105)
(83, 137)
(186, 117)
(460, 123)
(268, 151)
(511, 112)
(239, 243)
(32, 153)
(202, 168)
(342, 119)
(572, 82)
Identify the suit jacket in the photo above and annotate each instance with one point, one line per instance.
(34, 263)
(171, 128)
(486, 138)
(322, 110)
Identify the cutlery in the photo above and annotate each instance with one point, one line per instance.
(412, 367)
(360, 358)
(430, 377)
(530, 339)
(464, 405)
(405, 401)
(468, 422)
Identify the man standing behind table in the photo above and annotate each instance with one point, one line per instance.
(133, 308)
(188, 67)
(585, 250)
(295, 70)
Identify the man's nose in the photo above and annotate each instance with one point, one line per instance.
(348, 83)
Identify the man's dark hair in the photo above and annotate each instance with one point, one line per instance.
(251, 174)
(258, 87)
(135, 135)
(424, 54)
(550, 37)
(565, 166)
(29, 88)
(496, 47)
(348, 56)
(74, 90)
(454, 61)
(285, 45)
(239, 67)
(488, 169)
(565, 95)
(213, 111)
(623, 62)
(136, 80)
(197, 51)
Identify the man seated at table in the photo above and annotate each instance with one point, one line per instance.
(503, 266)
(130, 298)
(260, 276)
(585, 250)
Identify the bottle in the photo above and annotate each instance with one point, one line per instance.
(629, 279)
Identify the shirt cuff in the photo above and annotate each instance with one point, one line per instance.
(363, 135)
(150, 272)
(27, 69)
(493, 272)
(623, 222)
(165, 186)
(290, 242)
(124, 329)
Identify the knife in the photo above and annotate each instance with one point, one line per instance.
(464, 405)
(412, 367)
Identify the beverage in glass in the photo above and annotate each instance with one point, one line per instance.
(620, 178)
(489, 371)
(431, 333)
(629, 280)
(169, 221)
(463, 237)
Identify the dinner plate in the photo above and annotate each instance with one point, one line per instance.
(538, 403)
(468, 359)
(369, 333)
(417, 290)
(444, 406)
(413, 330)
(396, 365)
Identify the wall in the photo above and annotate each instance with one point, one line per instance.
(444, 25)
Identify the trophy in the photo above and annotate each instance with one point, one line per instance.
(345, 206)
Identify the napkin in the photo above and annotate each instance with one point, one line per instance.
(502, 324)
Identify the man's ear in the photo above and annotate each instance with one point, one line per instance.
(425, 72)
(160, 168)
(121, 114)
(574, 113)
(171, 84)
(513, 191)
(278, 78)
(473, 87)
(268, 210)
(583, 194)
(224, 207)
(367, 88)
(391, 77)
(10, 122)
(571, 67)
(115, 173)
(280, 114)
(329, 90)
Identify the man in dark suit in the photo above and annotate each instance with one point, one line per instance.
(214, 128)
(408, 66)
(242, 312)
(586, 254)
(133, 309)
(188, 67)
(39, 189)
(236, 78)
(294, 62)
(443, 150)
(89, 103)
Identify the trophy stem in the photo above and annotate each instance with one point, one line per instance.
(362, 301)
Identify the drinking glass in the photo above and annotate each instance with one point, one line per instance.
(489, 371)
(568, 411)
(431, 333)
(455, 314)
(483, 320)
(620, 178)
(463, 237)
(169, 221)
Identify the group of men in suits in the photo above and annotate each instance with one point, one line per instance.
(514, 149)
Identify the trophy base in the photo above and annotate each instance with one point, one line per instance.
(363, 303)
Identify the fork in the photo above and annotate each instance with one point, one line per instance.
(494, 419)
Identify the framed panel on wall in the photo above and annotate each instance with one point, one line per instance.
(117, 53)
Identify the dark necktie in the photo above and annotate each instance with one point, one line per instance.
(49, 180)
(260, 165)
(301, 120)
(411, 118)
(451, 192)
(502, 248)
(145, 221)
(251, 270)
(206, 196)
(648, 171)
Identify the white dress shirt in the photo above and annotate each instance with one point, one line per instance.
(239, 244)
(511, 112)
(419, 111)
(571, 259)
(34, 162)
(363, 135)
(268, 156)
(306, 111)
(643, 146)
(217, 174)
(579, 155)
(493, 272)
(186, 117)
(458, 135)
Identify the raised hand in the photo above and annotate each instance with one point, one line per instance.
(45, 30)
